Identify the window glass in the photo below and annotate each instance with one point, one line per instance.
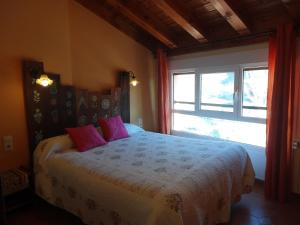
(255, 83)
(217, 91)
(184, 87)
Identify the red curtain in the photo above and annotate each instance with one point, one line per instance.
(163, 93)
(280, 113)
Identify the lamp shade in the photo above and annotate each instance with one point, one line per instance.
(44, 80)
(134, 81)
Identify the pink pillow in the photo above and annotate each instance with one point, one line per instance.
(113, 128)
(85, 137)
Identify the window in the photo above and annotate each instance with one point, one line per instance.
(228, 104)
(255, 82)
(184, 91)
(217, 91)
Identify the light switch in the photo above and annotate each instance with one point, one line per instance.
(8, 143)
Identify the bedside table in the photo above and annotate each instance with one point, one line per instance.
(15, 191)
(2, 206)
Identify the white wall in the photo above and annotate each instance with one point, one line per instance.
(225, 57)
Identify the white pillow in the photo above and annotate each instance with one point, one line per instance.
(132, 129)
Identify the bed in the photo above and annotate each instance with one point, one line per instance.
(145, 179)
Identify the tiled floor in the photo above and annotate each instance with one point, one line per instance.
(252, 210)
(255, 210)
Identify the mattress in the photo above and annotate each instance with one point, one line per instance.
(146, 179)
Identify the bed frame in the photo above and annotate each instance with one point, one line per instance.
(51, 109)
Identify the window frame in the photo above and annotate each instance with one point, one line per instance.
(237, 95)
(241, 85)
(214, 113)
(183, 102)
(180, 71)
(172, 101)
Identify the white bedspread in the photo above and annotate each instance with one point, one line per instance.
(146, 179)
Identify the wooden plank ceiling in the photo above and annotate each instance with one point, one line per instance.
(184, 26)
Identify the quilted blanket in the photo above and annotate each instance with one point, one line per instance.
(146, 179)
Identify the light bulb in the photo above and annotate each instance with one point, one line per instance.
(44, 80)
(134, 82)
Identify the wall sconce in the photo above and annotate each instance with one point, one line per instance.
(41, 78)
(133, 80)
(44, 80)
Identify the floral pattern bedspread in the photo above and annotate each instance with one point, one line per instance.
(146, 179)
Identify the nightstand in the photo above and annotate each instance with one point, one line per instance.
(15, 191)
(2, 206)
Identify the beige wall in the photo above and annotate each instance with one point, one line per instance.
(99, 51)
(73, 42)
(28, 29)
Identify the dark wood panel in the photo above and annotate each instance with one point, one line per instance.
(124, 80)
(68, 106)
(33, 103)
(51, 107)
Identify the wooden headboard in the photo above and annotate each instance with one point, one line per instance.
(51, 109)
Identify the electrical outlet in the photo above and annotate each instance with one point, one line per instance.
(140, 122)
(296, 144)
(8, 143)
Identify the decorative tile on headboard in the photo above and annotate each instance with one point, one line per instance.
(106, 104)
(116, 107)
(94, 107)
(82, 107)
(68, 106)
(51, 107)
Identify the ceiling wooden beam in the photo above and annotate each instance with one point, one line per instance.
(293, 9)
(147, 27)
(232, 18)
(181, 21)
